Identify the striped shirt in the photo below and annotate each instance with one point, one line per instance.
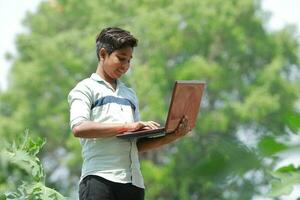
(93, 99)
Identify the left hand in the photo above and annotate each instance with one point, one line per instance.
(182, 128)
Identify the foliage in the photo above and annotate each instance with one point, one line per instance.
(252, 78)
(22, 156)
(285, 179)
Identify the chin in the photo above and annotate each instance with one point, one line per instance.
(118, 75)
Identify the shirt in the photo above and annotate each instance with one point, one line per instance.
(94, 99)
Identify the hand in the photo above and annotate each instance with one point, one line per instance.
(142, 125)
(182, 128)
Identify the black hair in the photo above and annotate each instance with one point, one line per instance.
(113, 38)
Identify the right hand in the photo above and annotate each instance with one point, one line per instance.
(182, 128)
(142, 125)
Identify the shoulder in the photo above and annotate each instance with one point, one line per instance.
(83, 85)
(82, 90)
(129, 91)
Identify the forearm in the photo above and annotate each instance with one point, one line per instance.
(89, 129)
(152, 143)
(147, 144)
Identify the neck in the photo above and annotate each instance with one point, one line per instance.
(105, 76)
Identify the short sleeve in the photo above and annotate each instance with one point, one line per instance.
(137, 116)
(80, 102)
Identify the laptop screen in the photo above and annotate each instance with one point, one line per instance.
(185, 101)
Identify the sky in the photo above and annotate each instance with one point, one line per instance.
(283, 12)
(13, 11)
(11, 14)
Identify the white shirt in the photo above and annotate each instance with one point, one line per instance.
(93, 99)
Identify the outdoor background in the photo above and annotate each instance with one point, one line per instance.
(246, 142)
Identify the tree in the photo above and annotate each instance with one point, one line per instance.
(252, 87)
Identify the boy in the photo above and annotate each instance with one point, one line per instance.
(100, 108)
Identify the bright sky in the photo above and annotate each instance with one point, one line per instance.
(11, 14)
(13, 11)
(283, 12)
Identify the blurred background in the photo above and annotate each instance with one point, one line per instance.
(246, 143)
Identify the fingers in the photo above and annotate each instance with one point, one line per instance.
(155, 123)
(151, 125)
(146, 128)
(183, 122)
(183, 126)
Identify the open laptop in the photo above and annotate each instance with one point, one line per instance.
(185, 101)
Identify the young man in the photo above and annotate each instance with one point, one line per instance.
(100, 108)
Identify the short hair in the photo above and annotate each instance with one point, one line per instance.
(114, 38)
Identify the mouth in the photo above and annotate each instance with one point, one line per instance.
(120, 73)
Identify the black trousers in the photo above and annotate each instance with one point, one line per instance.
(97, 188)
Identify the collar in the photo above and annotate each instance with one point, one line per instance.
(99, 79)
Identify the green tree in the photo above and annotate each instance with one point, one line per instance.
(252, 77)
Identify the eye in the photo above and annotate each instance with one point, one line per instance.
(123, 59)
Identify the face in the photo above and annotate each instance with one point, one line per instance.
(117, 63)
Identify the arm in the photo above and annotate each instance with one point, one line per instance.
(90, 129)
(146, 144)
(80, 100)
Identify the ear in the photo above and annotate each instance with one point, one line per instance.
(102, 54)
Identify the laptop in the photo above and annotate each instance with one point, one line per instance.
(185, 101)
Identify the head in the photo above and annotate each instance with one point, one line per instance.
(114, 47)
(113, 38)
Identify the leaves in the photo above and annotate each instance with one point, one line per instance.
(284, 180)
(269, 146)
(35, 191)
(292, 120)
(21, 155)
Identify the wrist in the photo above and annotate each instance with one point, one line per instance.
(172, 136)
(126, 127)
(123, 128)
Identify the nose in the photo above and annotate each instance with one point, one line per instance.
(125, 65)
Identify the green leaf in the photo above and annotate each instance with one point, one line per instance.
(22, 159)
(2, 197)
(284, 180)
(292, 120)
(289, 168)
(269, 146)
(35, 190)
